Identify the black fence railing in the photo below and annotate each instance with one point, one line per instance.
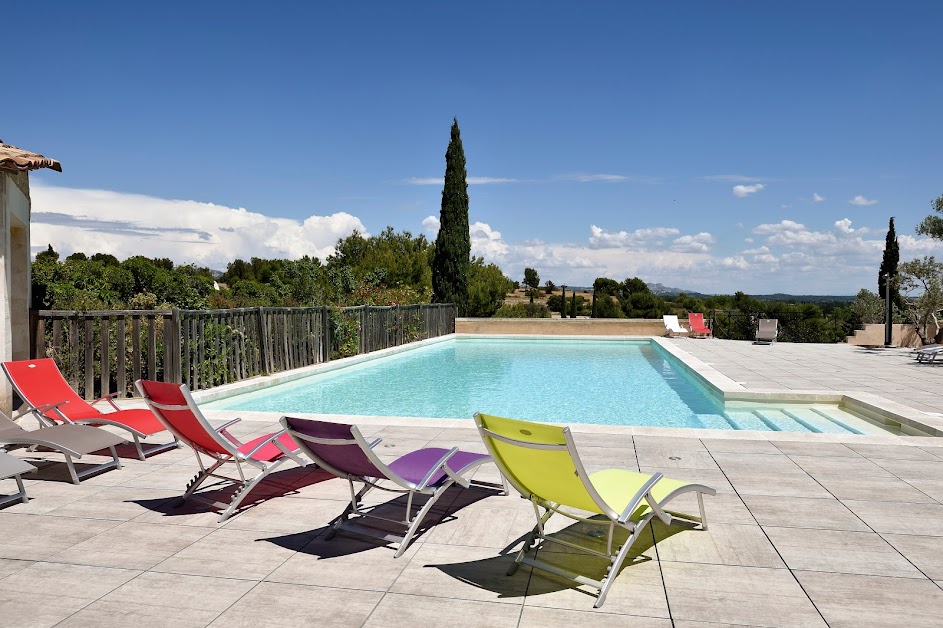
(793, 326)
(100, 352)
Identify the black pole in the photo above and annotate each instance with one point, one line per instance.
(888, 331)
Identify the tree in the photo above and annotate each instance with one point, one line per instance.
(487, 287)
(888, 268)
(922, 280)
(933, 225)
(450, 265)
(531, 280)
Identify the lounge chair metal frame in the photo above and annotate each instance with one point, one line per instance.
(13, 467)
(766, 331)
(227, 452)
(411, 521)
(37, 438)
(43, 411)
(537, 536)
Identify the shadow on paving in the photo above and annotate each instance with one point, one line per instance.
(453, 500)
(491, 573)
(277, 484)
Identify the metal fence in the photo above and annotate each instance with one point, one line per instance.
(100, 352)
(793, 326)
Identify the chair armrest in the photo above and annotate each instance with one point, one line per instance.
(438, 465)
(636, 500)
(40, 413)
(273, 438)
(291, 454)
(224, 432)
(110, 399)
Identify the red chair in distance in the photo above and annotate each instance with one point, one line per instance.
(175, 408)
(698, 328)
(52, 400)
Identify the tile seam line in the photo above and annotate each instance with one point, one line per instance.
(814, 479)
(770, 541)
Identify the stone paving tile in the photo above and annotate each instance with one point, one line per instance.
(232, 553)
(856, 600)
(748, 482)
(899, 518)
(724, 445)
(800, 512)
(667, 443)
(345, 562)
(912, 469)
(129, 545)
(805, 448)
(894, 452)
(32, 537)
(719, 544)
(676, 459)
(38, 609)
(539, 617)
(888, 489)
(465, 573)
(638, 589)
(277, 605)
(744, 462)
(817, 466)
(840, 551)
(409, 611)
(925, 552)
(11, 565)
(159, 600)
(751, 596)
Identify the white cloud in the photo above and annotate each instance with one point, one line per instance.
(431, 224)
(468, 180)
(860, 200)
(738, 262)
(640, 238)
(743, 191)
(817, 198)
(731, 178)
(784, 225)
(100, 221)
(486, 242)
(593, 178)
(698, 243)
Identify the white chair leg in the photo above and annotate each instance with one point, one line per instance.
(417, 520)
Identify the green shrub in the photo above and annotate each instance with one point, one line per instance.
(523, 310)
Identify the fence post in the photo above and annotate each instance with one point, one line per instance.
(326, 340)
(37, 328)
(265, 357)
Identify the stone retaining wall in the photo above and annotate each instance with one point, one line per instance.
(562, 326)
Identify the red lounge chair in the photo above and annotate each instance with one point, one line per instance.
(176, 409)
(40, 384)
(698, 328)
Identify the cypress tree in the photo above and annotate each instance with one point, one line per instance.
(889, 264)
(450, 266)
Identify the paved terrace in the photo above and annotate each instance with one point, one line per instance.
(804, 531)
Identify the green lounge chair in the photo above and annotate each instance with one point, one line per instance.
(542, 463)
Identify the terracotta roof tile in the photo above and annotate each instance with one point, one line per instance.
(13, 158)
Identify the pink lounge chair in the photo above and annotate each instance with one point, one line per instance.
(698, 328)
(40, 384)
(173, 405)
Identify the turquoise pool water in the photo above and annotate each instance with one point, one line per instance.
(559, 381)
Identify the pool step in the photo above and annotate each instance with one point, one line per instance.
(814, 419)
(716, 422)
(747, 420)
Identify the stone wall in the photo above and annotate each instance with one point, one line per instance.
(873, 336)
(14, 273)
(562, 326)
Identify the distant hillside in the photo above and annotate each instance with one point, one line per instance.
(663, 290)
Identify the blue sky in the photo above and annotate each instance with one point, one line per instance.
(711, 146)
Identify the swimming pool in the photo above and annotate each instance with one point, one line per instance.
(609, 382)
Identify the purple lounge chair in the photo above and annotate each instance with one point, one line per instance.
(342, 450)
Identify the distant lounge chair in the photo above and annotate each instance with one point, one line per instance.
(673, 327)
(13, 467)
(767, 331)
(40, 383)
(698, 328)
(542, 463)
(72, 441)
(342, 450)
(175, 408)
(929, 353)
